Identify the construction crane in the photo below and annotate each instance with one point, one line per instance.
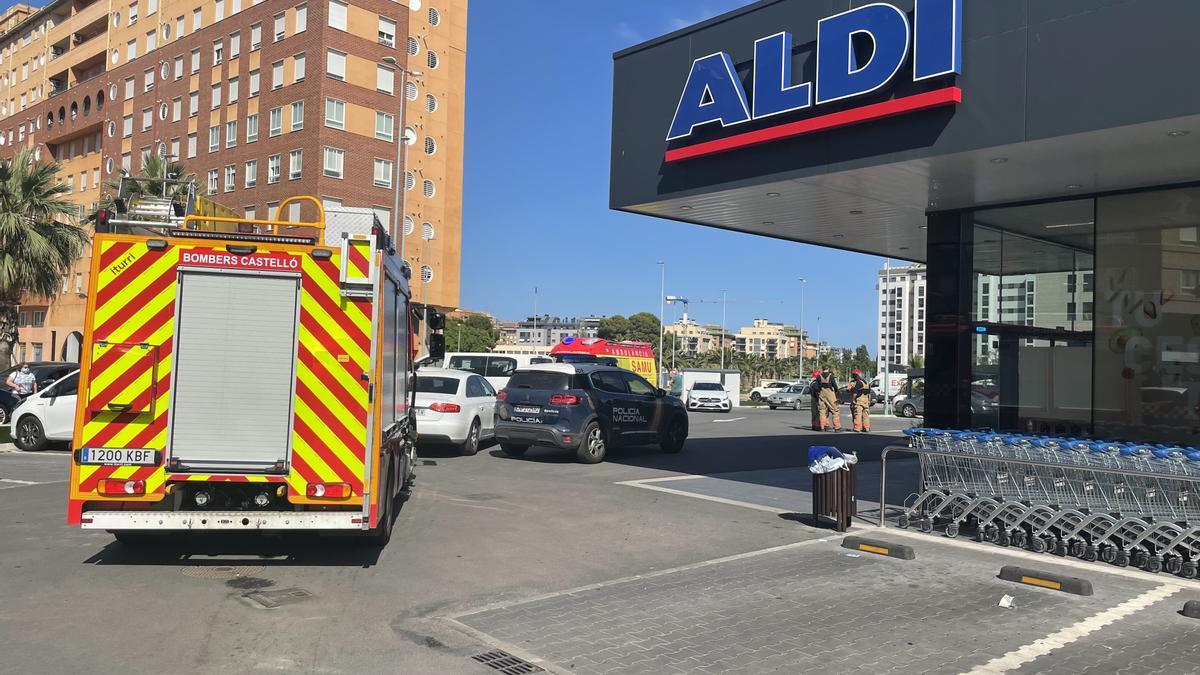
(723, 302)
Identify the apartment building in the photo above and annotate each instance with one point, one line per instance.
(901, 334)
(769, 339)
(547, 331)
(260, 100)
(697, 338)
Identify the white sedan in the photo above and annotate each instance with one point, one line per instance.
(47, 416)
(454, 407)
(708, 396)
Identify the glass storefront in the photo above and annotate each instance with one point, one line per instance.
(1086, 317)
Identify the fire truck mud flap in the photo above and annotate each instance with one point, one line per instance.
(221, 520)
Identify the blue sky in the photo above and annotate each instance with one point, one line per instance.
(536, 195)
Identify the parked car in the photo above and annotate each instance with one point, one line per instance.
(45, 373)
(586, 408)
(496, 368)
(708, 396)
(8, 403)
(47, 416)
(794, 396)
(767, 388)
(454, 407)
(914, 406)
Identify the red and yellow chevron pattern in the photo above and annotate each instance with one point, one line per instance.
(127, 380)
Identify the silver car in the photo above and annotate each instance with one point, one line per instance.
(793, 396)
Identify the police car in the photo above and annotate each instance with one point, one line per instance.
(586, 408)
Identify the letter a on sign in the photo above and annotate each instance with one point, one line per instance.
(713, 93)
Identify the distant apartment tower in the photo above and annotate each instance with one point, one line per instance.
(769, 339)
(901, 332)
(548, 331)
(260, 100)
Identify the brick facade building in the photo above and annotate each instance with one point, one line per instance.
(260, 100)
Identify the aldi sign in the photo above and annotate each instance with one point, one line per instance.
(858, 52)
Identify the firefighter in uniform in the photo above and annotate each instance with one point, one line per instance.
(860, 402)
(814, 400)
(828, 387)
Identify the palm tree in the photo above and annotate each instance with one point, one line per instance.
(38, 238)
(155, 168)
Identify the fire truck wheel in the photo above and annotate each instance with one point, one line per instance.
(30, 436)
(513, 450)
(382, 533)
(471, 445)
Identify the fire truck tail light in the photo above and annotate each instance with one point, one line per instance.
(117, 487)
(328, 490)
(445, 407)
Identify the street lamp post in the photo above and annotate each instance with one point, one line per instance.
(887, 336)
(802, 349)
(662, 315)
(401, 201)
(723, 293)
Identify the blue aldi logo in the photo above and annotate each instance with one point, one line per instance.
(713, 94)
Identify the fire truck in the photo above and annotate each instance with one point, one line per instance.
(242, 374)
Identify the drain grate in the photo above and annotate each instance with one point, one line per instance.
(277, 599)
(221, 571)
(507, 663)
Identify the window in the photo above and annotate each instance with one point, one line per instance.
(214, 139)
(426, 274)
(218, 52)
(430, 145)
(191, 145)
(435, 18)
(133, 13)
(276, 122)
(193, 104)
(335, 64)
(219, 11)
(231, 133)
(252, 128)
(383, 173)
(385, 79)
(301, 18)
(147, 118)
(1188, 235)
(128, 88)
(409, 183)
(256, 36)
(251, 212)
(216, 96)
(151, 41)
(410, 91)
(277, 74)
(251, 174)
(233, 89)
(334, 159)
(297, 115)
(431, 59)
(151, 6)
(272, 210)
(174, 151)
(335, 113)
(298, 67)
(428, 189)
(273, 169)
(414, 47)
(127, 126)
(235, 6)
(337, 15)
(387, 32)
(235, 45)
(1189, 281)
(385, 126)
(279, 30)
(179, 67)
(431, 103)
(195, 61)
(295, 164)
(71, 183)
(254, 79)
(212, 181)
(180, 27)
(148, 80)
(230, 178)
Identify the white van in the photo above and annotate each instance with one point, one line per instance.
(495, 368)
(895, 385)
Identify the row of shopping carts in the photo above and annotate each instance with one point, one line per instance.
(1122, 503)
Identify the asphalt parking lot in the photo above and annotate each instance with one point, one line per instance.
(647, 563)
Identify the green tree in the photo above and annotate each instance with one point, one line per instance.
(643, 327)
(916, 361)
(38, 241)
(615, 327)
(474, 334)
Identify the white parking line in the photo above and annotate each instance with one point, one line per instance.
(735, 419)
(1022, 655)
(719, 500)
(9, 483)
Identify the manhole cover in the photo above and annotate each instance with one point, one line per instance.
(276, 599)
(221, 572)
(507, 663)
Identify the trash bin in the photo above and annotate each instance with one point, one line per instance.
(834, 484)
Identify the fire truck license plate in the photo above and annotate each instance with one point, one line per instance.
(117, 456)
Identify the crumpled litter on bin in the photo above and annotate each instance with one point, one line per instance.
(826, 459)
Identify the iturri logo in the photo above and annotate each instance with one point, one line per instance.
(858, 52)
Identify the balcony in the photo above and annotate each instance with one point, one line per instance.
(82, 21)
